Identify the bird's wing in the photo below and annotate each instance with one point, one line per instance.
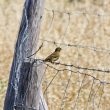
(53, 55)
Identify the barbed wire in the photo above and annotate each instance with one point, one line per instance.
(75, 12)
(83, 68)
(103, 82)
(93, 48)
(72, 65)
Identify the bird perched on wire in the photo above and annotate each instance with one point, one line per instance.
(54, 56)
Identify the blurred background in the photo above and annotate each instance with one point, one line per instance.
(85, 23)
(10, 15)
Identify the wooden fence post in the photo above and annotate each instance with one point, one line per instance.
(24, 89)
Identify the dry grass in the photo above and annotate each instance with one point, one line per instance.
(89, 29)
(10, 13)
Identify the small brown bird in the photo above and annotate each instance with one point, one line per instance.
(54, 56)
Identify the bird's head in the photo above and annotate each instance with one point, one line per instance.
(58, 49)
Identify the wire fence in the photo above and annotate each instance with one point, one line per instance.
(80, 81)
(70, 85)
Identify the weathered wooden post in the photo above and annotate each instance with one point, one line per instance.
(24, 89)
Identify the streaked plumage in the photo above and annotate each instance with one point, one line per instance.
(54, 56)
